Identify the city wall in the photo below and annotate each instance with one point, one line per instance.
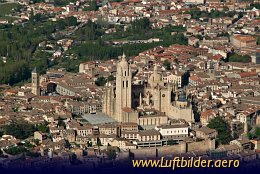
(183, 147)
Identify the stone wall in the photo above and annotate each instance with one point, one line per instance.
(143, 153)
(183, 147)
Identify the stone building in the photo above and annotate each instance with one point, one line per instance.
(241, 41)
(35, 82)
(150, 103)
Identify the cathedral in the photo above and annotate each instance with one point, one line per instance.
(149, 104)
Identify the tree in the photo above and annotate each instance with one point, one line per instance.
(61, 122)
(36, 142)
(111, 153)
(33, 154)
(111, 78)
(15, 150)
(250, 136)
(28, 144)
(140, 25)
(43, 128)
(1, 133)
(20, 129)
(92, 6)
(62, 2)
(89, 143)
(38, 17)
(223, 129)
(71, 21)
(240, 58)
(101, 81)
(167, 65)
(257, 132)
(171, 142)
(99, 142)
(67, 144)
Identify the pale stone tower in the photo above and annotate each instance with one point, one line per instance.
(108, 100)
(123, 88)
(35, 82)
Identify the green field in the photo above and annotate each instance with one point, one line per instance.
(6, 9)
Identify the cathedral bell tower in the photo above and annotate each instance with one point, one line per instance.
(123, 88)
(35, 82)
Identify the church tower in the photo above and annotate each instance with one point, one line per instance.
(35, 82)
(123, 88)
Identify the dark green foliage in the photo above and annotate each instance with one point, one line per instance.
(90, 32)
(37, 1)
(19, 129)
(116, 0)
(33, 154)
(111, 78)
(1, 133)
(223, 129)
(36, 141)
(101, 81)
(89, 143)
(19, 43)
(177, 29)
(67, 144)
(71, 21)
(225, 34)
(250, 136)
(100, 50)
(111, 153)
(43, 128)
(240, 58)
(92, 6)
(256, 5)
(61, 122)
(27, 144)
(199, 37)
(38, 17)
(171, 142)
(14, 72)
(167, 65)
(99, 142)
(257, 132)
(62, 2)
(16, 150)
(196, 14)
(140, 25)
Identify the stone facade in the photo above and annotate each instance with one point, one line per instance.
(149, 104)
(35, 82)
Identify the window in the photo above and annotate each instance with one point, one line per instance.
(123, 84)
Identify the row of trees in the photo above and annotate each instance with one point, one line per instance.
(196, 14)
(93, 42)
